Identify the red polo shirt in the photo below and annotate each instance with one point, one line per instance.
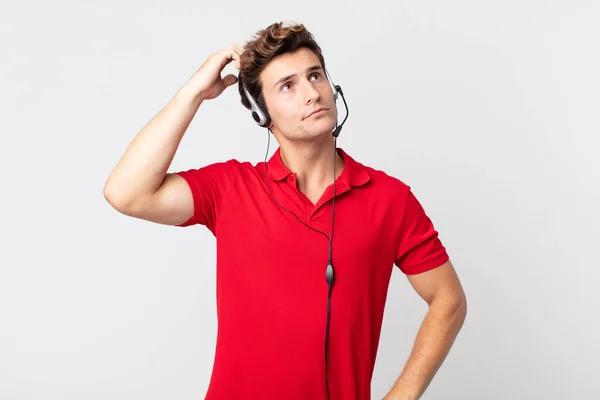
(271, 287)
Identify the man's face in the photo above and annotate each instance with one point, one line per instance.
(294, 86)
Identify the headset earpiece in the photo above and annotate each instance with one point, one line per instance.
(260, 116)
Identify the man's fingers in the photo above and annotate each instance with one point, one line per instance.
(225, 56)
(229, 80)
(240, 49)
(233, 53)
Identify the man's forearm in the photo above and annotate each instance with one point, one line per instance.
(435, 337)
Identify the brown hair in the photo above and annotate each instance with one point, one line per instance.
(268, 43)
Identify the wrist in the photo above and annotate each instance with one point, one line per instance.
(190, 93)
(402, 394)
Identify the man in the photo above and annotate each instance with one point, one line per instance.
(273, 226)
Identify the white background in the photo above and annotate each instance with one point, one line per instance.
(489, 110)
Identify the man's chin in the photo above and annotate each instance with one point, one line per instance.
(319, 130)
(315, 135)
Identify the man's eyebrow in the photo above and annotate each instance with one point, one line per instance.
(285, 78)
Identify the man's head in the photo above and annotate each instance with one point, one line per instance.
(284, 70)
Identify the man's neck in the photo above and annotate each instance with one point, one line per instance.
(312, 162)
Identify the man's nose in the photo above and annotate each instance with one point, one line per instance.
(310, 93)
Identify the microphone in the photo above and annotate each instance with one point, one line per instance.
(338, 129)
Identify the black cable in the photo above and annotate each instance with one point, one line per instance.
(329, 270)
(329, 273)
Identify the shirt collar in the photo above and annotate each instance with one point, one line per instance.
(353, 173)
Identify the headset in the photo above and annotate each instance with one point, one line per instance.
(262, 118)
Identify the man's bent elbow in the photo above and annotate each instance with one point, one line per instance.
(117, 200)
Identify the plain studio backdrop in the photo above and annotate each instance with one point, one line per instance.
(489, 110)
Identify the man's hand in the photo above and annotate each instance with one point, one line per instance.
(207, 81)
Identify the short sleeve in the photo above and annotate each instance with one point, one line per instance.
(210, 187)
(419, 247)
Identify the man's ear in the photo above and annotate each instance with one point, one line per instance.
(271, 124)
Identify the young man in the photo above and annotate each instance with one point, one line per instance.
(285, 331)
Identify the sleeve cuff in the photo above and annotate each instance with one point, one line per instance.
(426, 266)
